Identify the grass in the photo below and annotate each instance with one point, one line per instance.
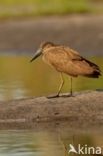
(22, 8)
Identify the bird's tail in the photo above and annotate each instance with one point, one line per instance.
(95, 74)
(96, 70)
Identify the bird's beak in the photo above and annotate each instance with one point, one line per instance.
(37, 54)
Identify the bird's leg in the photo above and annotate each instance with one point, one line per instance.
(61, 84)
(60, 87)
(71, 91)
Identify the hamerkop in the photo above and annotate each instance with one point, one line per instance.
(68, 61)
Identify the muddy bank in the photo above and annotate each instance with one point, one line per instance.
(83, 33)
(85, 109)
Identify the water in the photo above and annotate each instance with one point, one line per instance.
(45, 143)
(21, 79)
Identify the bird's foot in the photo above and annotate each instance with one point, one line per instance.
(53, 96)
(58, 95)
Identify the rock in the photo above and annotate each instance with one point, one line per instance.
(84, 108)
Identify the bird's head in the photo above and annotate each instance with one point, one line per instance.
(42, 47)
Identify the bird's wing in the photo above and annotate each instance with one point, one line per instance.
(75, 56)
(72, 54)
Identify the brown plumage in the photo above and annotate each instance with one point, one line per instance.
(68, 61)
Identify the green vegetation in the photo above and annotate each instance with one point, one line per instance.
(22, 8)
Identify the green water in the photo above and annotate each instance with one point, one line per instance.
(21, 79)
(44, 143)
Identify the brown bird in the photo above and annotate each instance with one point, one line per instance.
(68, 61)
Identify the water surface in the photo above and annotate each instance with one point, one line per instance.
(44, 143)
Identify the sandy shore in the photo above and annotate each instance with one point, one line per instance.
(84, 109)
(81, 32)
